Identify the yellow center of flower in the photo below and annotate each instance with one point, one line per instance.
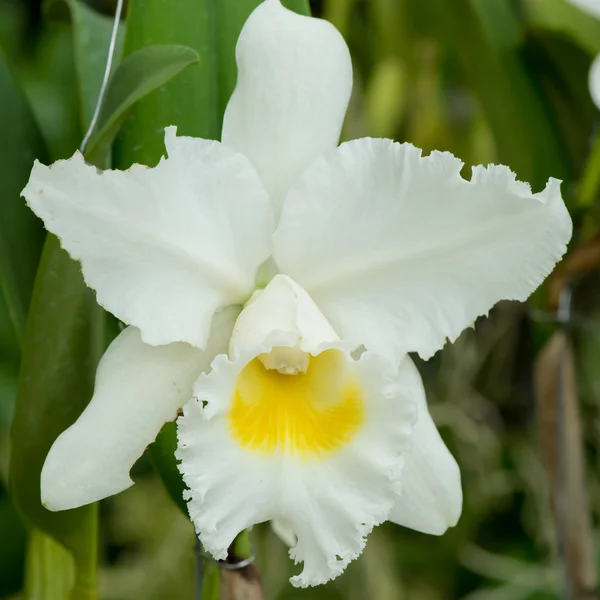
(310, 413)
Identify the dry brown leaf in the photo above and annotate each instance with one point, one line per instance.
(554, 380)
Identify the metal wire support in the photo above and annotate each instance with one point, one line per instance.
(563, 312)
(241, 564)
(109, 61)
(575, 321)
(202, 557)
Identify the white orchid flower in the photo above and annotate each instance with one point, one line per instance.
(592, 7)
(273, 284)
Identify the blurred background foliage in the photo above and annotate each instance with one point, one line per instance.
(489, 80)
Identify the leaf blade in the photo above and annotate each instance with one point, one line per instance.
(486, 37)
(21, 234)
(91, 36)
(138, 75)
(60, 327)
(189, 101)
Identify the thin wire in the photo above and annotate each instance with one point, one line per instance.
(563, 316)
(202, 557)
(575, 322)
(581, 323)
(109, 60)
(563, 313)
(227, 566)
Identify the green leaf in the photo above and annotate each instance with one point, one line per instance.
(50, 571)
(211, 581)
(188, 101)
(91, 37)
(12, 549)
(563, 17)
(63, 341)
(486, 37)
(589, 184)
(232, 16)
(162, 454)
(139, 74)
(560, 69)
(302, 7)
(21, 234)
(64, 338)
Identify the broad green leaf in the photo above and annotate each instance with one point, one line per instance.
(389, 26)
(338, 12)
(91, 36)
(162, 454)
(486, 36)
(561, 43)
(12, 548)
(188, 101)
(560, 69)
(385, 98)
(9, 375)
(302, 7)
(63, 341)
(587, 194)
(211, 581)
(232, 16)
(589, 184)
(139, 74)
(61, 346)
(21, 239)
(21, 234)
(561, 16)
(50, 571)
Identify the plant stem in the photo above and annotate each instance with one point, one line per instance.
(50, 570)
(86, 584)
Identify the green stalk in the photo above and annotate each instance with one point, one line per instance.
(50, 570)
(242, 547)
(86, 582)
(589, 192)
(211, 580)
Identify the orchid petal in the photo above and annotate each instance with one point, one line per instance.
(431, 497)
(294, 84)
(400, 252)
(164, 248)
(138, 389)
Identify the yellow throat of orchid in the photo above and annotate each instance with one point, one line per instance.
(309, 409)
